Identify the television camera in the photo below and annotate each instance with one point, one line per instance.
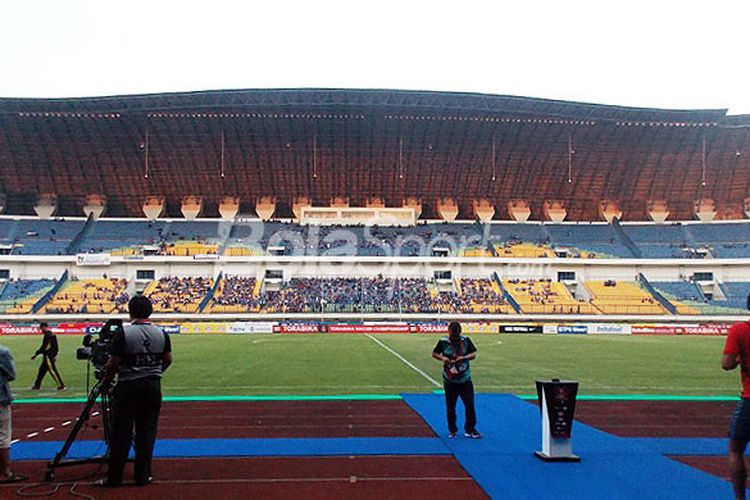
(96, 350)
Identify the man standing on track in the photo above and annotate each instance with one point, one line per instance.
(140, 353)
(455, 352)
(737, 353)
(49, 351)
(7, 375)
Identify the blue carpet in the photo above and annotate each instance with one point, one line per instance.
(176, 448)
(611, 467)
(685, 446)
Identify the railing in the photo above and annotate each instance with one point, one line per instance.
(658, 296)
(47, 296)
(210, 293)
(75, 243)
(625, 239)
(506, 295)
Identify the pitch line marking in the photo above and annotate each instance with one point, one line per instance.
(405, 361)
(308, 480)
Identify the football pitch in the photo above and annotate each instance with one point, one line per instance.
(328, 365)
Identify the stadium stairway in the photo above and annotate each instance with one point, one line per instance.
(75, 244)
(229, 229)
(625, 239)
(47, 296)
(547, 235)
(486, 230)
(661, 299)
(506, 295)
(210, 295)
(690, 239)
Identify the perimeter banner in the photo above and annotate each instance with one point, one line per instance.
(696, 329)
(9, 329)
(296, 328)
(381, 328)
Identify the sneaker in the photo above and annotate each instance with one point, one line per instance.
(35, 388)
(144, 482)
(473, 435)
(451, 435)
(104, 483)
(62, 388)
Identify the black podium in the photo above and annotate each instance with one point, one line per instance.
(557, 401)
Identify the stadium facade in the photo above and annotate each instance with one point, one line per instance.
(372, 204)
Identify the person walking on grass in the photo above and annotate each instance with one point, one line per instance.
(455, 352)
(49, 351)
(737, 353)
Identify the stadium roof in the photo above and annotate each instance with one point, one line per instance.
(360, 144)
(364, 100)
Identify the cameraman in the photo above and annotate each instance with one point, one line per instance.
(140, 354)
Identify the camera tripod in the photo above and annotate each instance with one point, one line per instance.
(100, 391)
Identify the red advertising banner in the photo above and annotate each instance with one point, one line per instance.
(59, 329)
(430, 328)
(296, 328)
(712, 329)
(76, 328)
(9, 329)
(342, 328)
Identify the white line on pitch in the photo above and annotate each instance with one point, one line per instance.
(405, 361)
(67, 422)
(49, 429)
(14, 441)
(95, 414)
(33, 434)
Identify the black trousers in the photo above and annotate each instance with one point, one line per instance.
(48, 365)
(465, 391)
(136, 404)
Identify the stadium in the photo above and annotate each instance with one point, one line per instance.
(306, 248)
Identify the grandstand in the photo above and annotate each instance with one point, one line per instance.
(20, 296)
(617, 297)
(90, 296)
(178, 294)
(565, 201)
(546, 297)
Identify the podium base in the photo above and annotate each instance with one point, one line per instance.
(548, 458)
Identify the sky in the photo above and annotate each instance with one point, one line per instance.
(662, 54)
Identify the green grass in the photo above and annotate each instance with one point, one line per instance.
(249, 365)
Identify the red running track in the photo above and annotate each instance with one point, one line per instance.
(658, 418)
(366, 477)
(377, 478)
(266, 419)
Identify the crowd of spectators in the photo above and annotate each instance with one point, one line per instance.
(101, 296)
(179, 294)
(380, 294)
(237, 293)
